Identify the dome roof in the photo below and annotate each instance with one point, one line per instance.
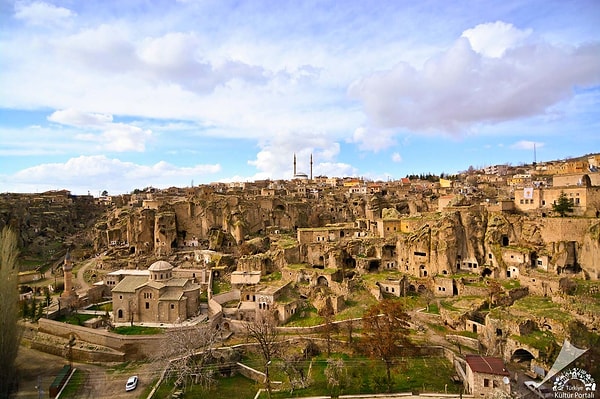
(160, 266)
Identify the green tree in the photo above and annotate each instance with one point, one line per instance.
(563, 205)
(385, 331)
(10, 335)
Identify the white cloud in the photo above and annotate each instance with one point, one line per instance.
(336, 169)
(98, 172)
(494, 38)
(74, 117)
(99, 128)
(396, 157)
(41, 13)
(460, 88)
(526, 145)
(120, 137)
(373, 139)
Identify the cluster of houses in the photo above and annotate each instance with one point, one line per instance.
(165, 294)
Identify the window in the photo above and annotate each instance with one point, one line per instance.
(120, 314)
(172, 306)
(486, 382)
(147, 305)
(120, 296)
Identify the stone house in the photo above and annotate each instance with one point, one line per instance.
(326, 234)
(443, 286)
(155, 298)
(582, 189)
(486, 376)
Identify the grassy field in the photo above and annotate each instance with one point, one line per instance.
(362, 376)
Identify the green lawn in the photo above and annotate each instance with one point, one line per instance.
(137, 330)
(237, 386)
(75, 384)
(365, 376)
(76, 318)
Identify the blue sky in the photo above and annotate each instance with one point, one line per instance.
(118, 95)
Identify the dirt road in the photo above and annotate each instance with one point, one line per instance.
(38, 369)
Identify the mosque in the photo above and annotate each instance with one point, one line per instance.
(300, 175)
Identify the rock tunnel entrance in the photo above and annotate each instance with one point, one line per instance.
(521, 356)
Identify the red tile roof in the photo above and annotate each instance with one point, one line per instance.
(487, 365)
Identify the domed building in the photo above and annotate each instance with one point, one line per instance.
(155, 298)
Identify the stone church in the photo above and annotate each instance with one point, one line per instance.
(156, 298)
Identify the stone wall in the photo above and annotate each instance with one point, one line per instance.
(133, 347)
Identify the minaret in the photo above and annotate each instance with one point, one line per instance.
(294, 165)
(68, 273)
(311, 166)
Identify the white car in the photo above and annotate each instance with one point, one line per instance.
(539, 390)
(131, 383)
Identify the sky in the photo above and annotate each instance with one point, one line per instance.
(120, 95)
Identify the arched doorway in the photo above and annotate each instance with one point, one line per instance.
(322, 280)
(521, 355)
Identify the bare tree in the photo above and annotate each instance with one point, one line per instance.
(189, 352)
(10, 334)
(263, 330)
(293, 366)
(336, 375)
(329, 328)
(385, 330)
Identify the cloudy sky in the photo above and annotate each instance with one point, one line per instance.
(116, 95)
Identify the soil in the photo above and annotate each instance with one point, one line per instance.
(37, 371)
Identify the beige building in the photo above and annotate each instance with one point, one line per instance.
(586, 200)
(486, 376)
(157, 297)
